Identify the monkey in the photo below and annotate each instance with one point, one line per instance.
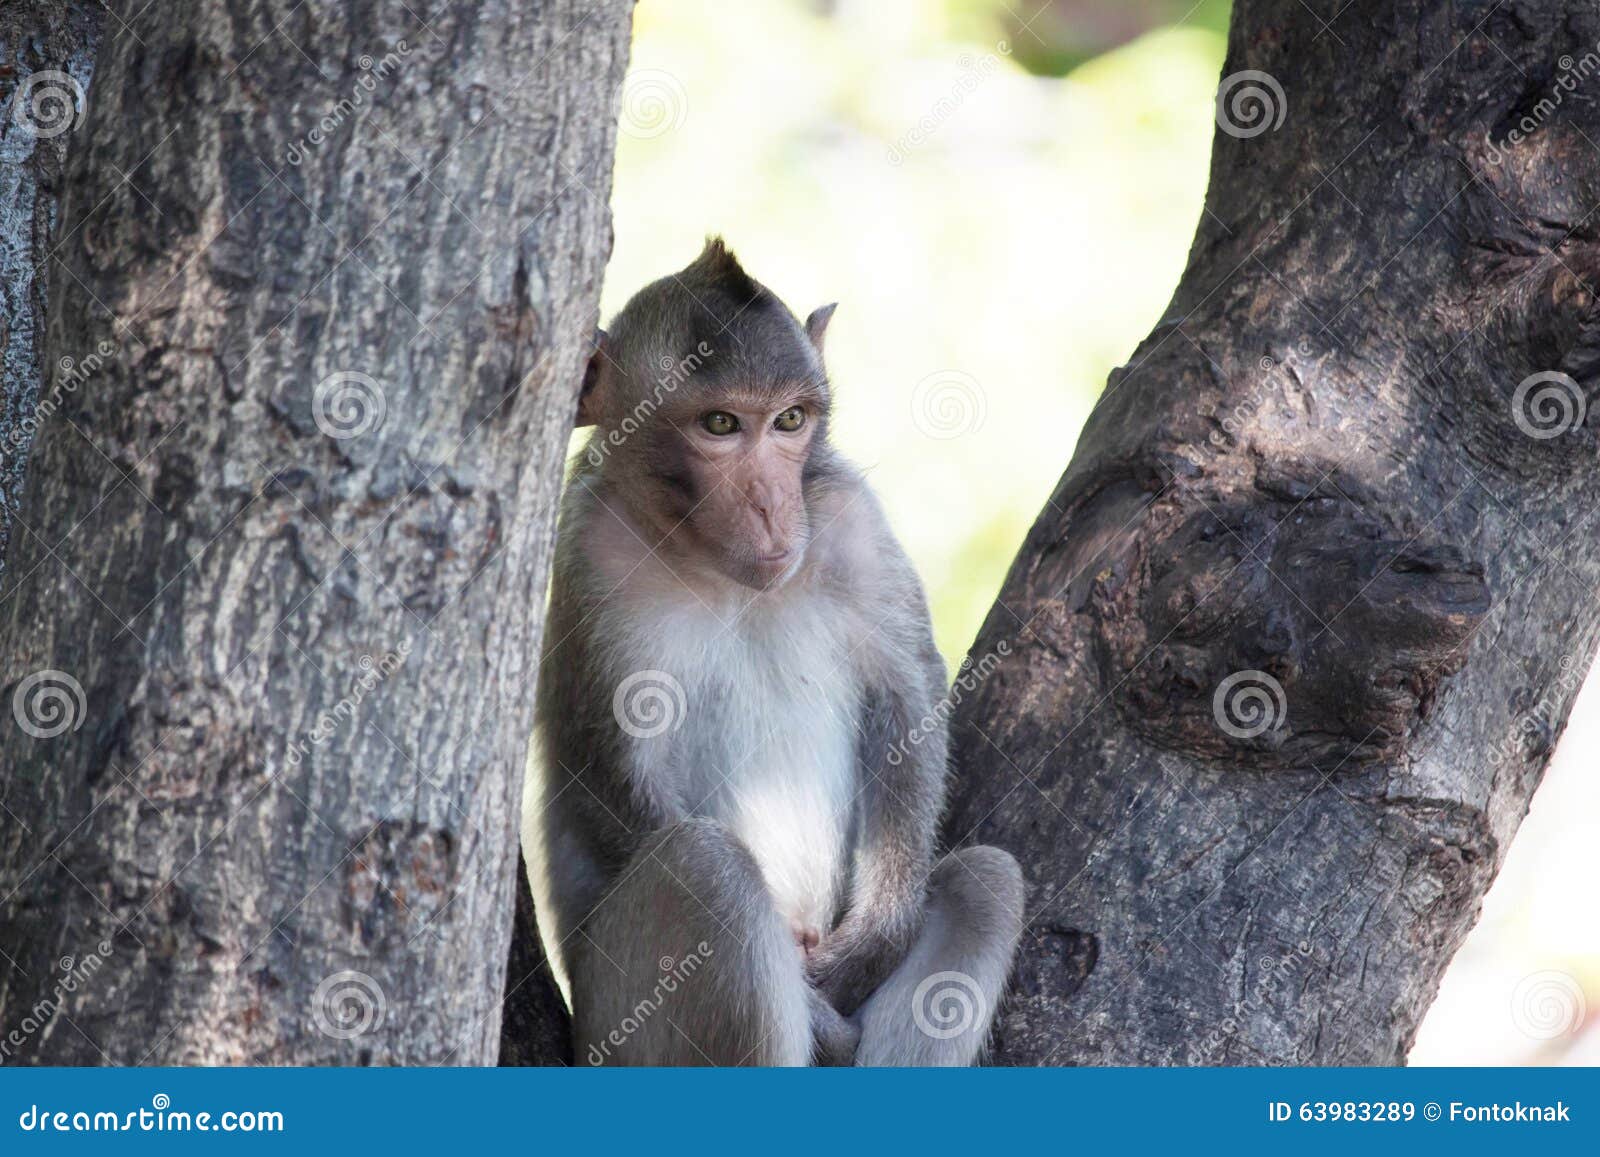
(740, 755)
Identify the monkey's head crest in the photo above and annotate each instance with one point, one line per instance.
(708, 327)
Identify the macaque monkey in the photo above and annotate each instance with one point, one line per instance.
(741, 752)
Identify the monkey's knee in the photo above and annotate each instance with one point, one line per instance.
(937, 1007)
(982, 891)
(688, 962)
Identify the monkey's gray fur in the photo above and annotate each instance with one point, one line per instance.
(740, 757)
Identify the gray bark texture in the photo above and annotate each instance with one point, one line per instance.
(47, 52)
(272, 605)
(1292, 642)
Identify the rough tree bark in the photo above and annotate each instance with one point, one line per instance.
(273, 598)
(46, 57)
(1319, 474)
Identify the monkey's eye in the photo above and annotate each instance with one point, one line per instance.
(720, 423)
(790, 420)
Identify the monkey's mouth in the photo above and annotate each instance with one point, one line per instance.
(771, 570)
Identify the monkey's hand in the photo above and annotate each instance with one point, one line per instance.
(834, 1037)
(859, 955)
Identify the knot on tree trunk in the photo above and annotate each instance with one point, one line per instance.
(1280, 623)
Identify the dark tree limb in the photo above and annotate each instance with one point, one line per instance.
(1316, 475)
(47, 52)
(534, 1027)
(277, 562)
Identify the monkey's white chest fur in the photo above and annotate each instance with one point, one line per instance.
(767, 746)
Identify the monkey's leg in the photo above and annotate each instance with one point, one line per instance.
(687, 962)
(936, 1008)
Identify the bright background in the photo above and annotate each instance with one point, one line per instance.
(1002, 212)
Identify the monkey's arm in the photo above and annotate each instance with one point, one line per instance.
(902, 777)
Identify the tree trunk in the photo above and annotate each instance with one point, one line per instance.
(47, 52)
(273, 601)
(1272, 681)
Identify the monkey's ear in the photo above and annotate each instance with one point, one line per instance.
(817, 324)
(596, 381)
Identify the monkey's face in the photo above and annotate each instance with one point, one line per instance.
(743, 461)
